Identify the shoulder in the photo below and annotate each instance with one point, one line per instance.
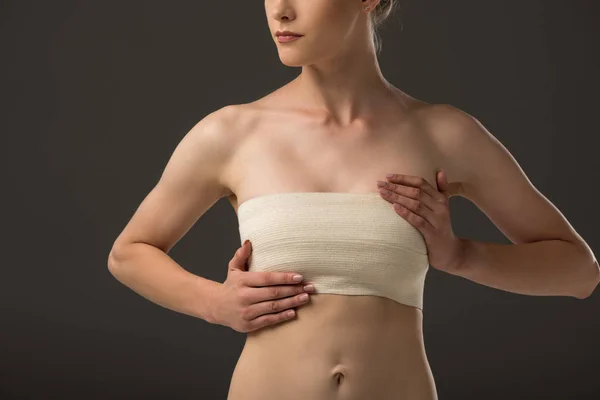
(221, 128)
(442, 121)
(464, 144)
(208, 146)
(218, 122)
(219, 137)
(450, 125)
(458, 133)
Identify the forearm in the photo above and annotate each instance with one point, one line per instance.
(543, 268)
(151, 273)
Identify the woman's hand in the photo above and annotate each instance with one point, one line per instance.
(426, 208)
(248, 301)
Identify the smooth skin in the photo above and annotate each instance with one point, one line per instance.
(338, 127)
(189, 185)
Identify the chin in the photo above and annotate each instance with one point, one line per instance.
(295, 58)
(292, 61)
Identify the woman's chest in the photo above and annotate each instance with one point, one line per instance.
(277, 161)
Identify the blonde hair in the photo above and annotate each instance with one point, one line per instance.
(378, 16)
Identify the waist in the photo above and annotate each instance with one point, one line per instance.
(339, 323)
(374, 341)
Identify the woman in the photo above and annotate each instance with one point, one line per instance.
(305, 169)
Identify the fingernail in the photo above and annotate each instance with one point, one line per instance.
(246, 241)
(298, 278)
(389, 176)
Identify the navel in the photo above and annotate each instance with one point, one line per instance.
(339, 378)
(339, 374)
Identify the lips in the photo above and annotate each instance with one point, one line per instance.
(287, 33)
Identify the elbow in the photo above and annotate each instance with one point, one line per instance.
(591, 282)
(112, 262)
(585, 295)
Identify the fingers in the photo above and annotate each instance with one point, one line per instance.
(410, 197)
(268, 297)
(240, 257)
(275, 298)
(256, 295)
(416, 206)
(274, 306)
(405, 185)
(415, 220)
(260, 279)
(421, 203)
(268, 319)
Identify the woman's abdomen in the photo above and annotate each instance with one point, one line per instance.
(337, 347)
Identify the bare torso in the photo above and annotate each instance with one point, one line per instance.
(337, 347)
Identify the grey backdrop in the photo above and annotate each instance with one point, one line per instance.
(97, 94)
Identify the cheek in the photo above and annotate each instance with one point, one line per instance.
(333, 24)
(330, 14)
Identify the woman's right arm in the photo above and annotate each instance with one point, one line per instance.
(190, 184)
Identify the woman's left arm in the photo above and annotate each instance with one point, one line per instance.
(547, 257)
